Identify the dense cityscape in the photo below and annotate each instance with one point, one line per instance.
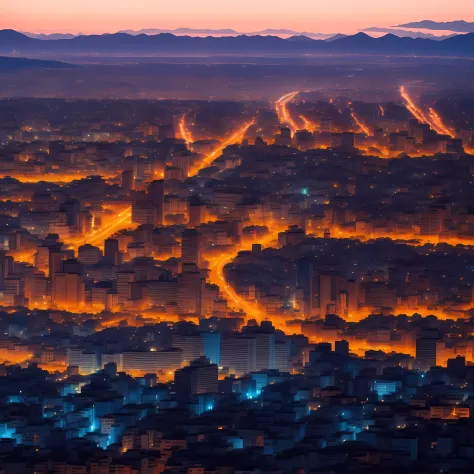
(282, 284)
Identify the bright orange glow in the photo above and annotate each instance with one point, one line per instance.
(56, 177)
(123, 219)
(408, 238)
(308, 124)
(97, 237)
(436, 119)
(284, 115)
(360, 124)
(433, 120)
(184, 132)
(24, 256)
(217, 276)
(237, 137)
(412, 107)
(382, 111)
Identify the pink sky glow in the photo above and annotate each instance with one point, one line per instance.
(328, 16)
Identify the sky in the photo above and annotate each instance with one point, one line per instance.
(317, 16)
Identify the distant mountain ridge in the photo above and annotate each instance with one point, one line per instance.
(459, 26)
(406, 33)
(282, 32)
(192, 32)
(50, 36)
(12, 42)
(9, 64)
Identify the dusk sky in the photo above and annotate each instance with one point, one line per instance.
(345, 16)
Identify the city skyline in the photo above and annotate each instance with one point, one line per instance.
(344, 16)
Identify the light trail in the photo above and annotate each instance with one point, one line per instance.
(360, 124)
(433, 120)
(121, 221)
(217, 275)
(283, 113)
(382, 111)
(308, 124)
(436, 119)
(209, 158)
(184, 132)
(253, 309)
(412, 107)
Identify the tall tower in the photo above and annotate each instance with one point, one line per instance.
(191, 247)
(156, 194)
(111, 251)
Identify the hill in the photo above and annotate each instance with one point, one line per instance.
(169, 44)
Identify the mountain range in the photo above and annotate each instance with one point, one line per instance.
(191, 32)
(459, 26)
(15, 43)
(406, 33)
(12, 64)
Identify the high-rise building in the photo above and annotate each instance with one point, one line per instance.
(282, 355)
(426, 351)
(352, 297)
(284, 137)
(197, 213)
(432, 221)
(201, 376)
(342, 347)
(238, 354)
(143, 212)
(72, 209)
(3, 270)
(304, 282)
(87, 362)
(68, 290)
(264, 345)
(89, 255)
(191, 247)
(152, 362)
(128, 180)
(190, 290)
(192, 346)
(111, 251)
(325, 125)
(55, 264)
(14, 291)
(36, 288)
(124, 279)
(325, 293)
(166, 131)
(212, 346)
(156, 194)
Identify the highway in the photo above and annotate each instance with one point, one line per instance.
(184, 132)
(360, 124)
(120, 221)
(217, 275)
(237, 137)
(433, 119)
(284, 115)
(437, 120)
